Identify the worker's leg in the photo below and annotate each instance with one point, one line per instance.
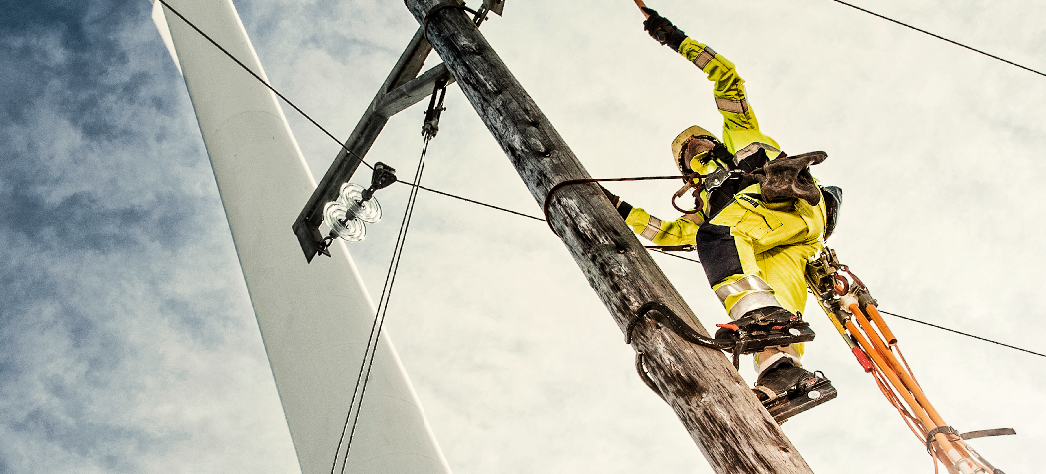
(750, 243)
(783, 385)
(784, 268)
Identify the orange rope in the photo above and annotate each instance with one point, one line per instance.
(905, 384)
(870, 334)
(892, 397)
(919, 409)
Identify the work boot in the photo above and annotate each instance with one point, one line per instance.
(762, 328)
(786, 389)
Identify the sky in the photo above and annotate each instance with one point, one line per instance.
(127, 338)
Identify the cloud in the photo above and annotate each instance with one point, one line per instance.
(115, 267)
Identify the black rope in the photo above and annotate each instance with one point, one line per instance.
(379, 319)
(940, 37)
(570, 182)
(408, 183)
(644, 375)
(962, 333)
(663, 314)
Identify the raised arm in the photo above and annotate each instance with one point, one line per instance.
(740, 127)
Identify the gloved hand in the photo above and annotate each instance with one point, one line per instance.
(623, 208)
(661, 29)
(614, 199)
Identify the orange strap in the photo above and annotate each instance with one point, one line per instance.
(641, 5)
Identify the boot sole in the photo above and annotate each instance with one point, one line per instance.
(792, 404)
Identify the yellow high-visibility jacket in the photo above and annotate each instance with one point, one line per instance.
(741, 136)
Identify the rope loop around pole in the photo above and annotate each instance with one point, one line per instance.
(570, 182)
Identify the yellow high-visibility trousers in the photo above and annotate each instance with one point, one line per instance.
(755, 253)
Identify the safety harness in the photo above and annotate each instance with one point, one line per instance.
(785, 177)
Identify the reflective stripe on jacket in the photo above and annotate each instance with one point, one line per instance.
(741, 136)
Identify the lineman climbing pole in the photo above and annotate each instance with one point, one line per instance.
(723, 417)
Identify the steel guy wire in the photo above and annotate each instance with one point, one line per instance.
(379, 319)
(408, 183)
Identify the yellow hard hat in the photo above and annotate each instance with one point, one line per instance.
(677, 145)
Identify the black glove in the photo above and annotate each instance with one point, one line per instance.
(623, 208)
(663, 30)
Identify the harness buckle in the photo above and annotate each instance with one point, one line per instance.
(716, 178)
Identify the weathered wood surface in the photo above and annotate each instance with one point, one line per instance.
(722, 415)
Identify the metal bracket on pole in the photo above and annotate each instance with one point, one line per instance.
(403, 88)
(496, 6)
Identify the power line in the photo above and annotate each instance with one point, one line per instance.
(408, 183)
(940, 37)
(960, 332)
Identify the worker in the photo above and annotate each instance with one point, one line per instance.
(758, 218)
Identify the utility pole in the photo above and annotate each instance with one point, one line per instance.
(731, 428)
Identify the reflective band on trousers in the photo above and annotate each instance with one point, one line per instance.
(768, 357)
(733, 106)
(748, 283)
(751, 302)
(653, 226)
(702, 59)
(761, 299)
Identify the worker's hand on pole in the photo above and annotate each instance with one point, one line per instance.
(661, 29)
(614, 199)
(623, 208)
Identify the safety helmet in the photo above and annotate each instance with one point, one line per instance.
(684, 163)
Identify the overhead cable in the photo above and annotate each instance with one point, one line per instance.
(940, 37)
(962, 333)
(371, 350)
(408, 183)
(342, 145)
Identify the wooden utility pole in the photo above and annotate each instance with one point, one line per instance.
(723, 417)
